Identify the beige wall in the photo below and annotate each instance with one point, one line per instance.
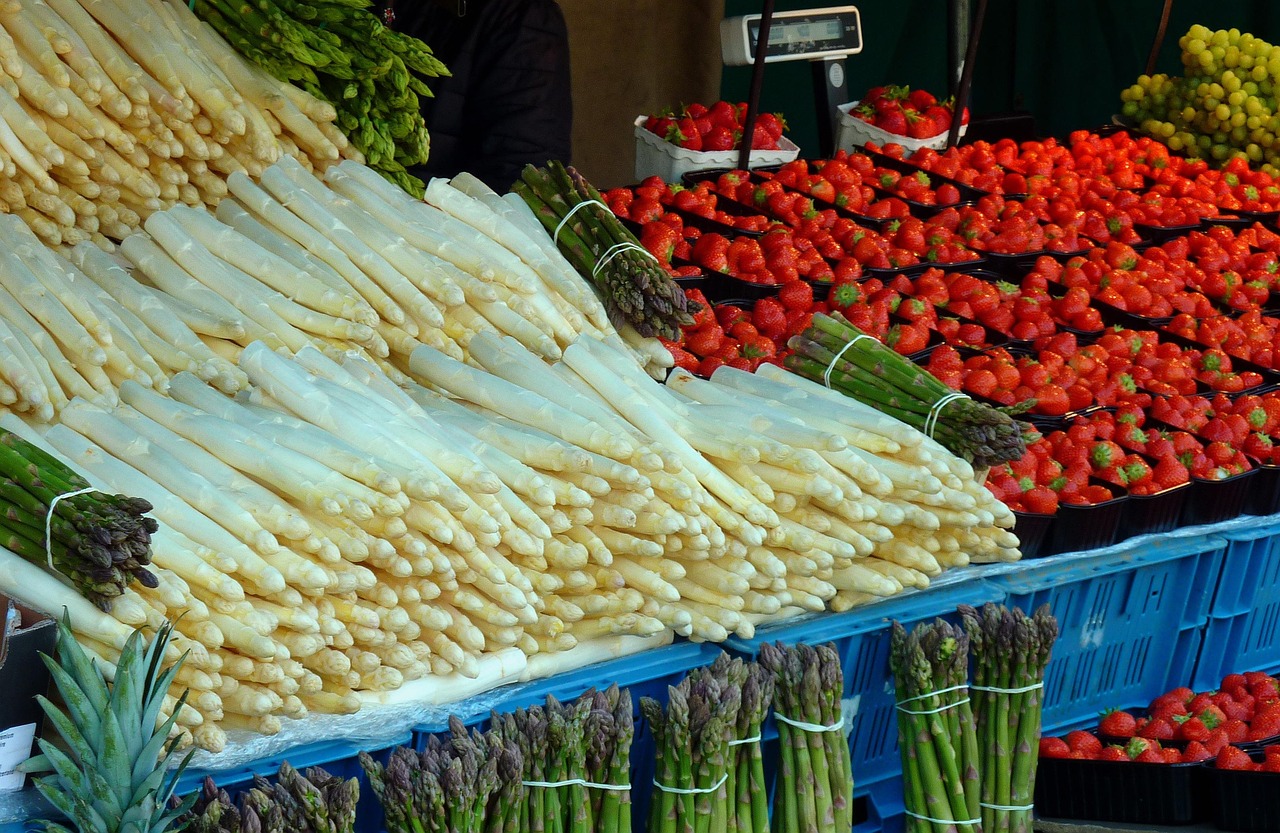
(630, 57)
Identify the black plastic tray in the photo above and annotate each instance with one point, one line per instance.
(1160, 512)
(1245, 801)
(1161, 234)
(1122, 791)
(1212, 501)
(1264, 492)
(1089, 527)
(1034, 532)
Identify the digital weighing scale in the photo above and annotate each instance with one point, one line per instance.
(824, 37)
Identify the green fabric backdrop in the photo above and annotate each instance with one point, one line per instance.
(1063, 62)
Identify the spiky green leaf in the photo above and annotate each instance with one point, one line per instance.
(70, 733)
(116, 759)
(64, 769)
(81, 707)
(77, 663)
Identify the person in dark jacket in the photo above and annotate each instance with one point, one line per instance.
(508, 102)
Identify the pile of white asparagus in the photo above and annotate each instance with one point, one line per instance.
(388, 439)
(113, 109)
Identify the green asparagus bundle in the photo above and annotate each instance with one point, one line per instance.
(465, 783)
(98, 542)
(634, 287)
(815, 786)
(340, 52)
(936, 732)
(834, 352)
(694, 755)
(572, 753)
(1010, 653)
(316, 802)
(748, 791)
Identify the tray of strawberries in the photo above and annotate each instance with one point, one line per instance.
(1244, 791)
(1140, 781)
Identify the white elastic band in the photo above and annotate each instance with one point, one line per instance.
(931, 421)
(695, 790)
(1022, 690)
(942, 821)
(572, 781)
(810, 727)
(745, 741)
(826, 374)
(615, 250)
(961, 702)
(48, 523)
(556, 237)
(929, 694)
(1006, 807)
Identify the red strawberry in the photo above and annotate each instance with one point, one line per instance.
(770, 317)
(709, 365)
(1054, 748)
(704, 342)
(719, 138)
(1234, 758)
(1151, 756)
(1118, 724)
(1084, 741)
(1217, 741)
(1113, 753)
(684, 359)
(1158, 729)
(685, 133)
(1171, 755)
(1195, 752)
(1140, 746)
(796, 295)
(1192, 728)
(1237, 730)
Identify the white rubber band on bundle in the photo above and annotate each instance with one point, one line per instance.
(1022, 690)
(943, 821)
(556, 237)
(48, 523)
(826, 374)
(899, 706)
(572, 781)
(695, 790)
(615, 250)
(745, 741)
(810, 727)
(1006, 807)
(931, 421)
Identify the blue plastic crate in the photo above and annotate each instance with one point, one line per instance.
(338, 758)
(861, 638)
(1131, 623)
(645, 674)
(1243, 632)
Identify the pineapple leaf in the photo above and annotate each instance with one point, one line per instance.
(78, 664)
(63, 768)
(67, 727)
(155, 698)
(75, 808)
(151, 757)
(116, 754)
(81, 707)
(106, 800)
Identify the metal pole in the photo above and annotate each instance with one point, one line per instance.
(757, 81)
(966, 77)
(958, 16)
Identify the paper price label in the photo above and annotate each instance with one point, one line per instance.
(15, 749)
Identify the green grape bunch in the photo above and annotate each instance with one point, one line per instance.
(1223, 106)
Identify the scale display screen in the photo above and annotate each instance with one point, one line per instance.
(808, 34)
(801, 32)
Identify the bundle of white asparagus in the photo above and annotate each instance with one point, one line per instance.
(388, 439)
(113, 109)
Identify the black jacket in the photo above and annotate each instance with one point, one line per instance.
(508, 101)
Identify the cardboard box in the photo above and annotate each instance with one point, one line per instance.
(24, 634)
